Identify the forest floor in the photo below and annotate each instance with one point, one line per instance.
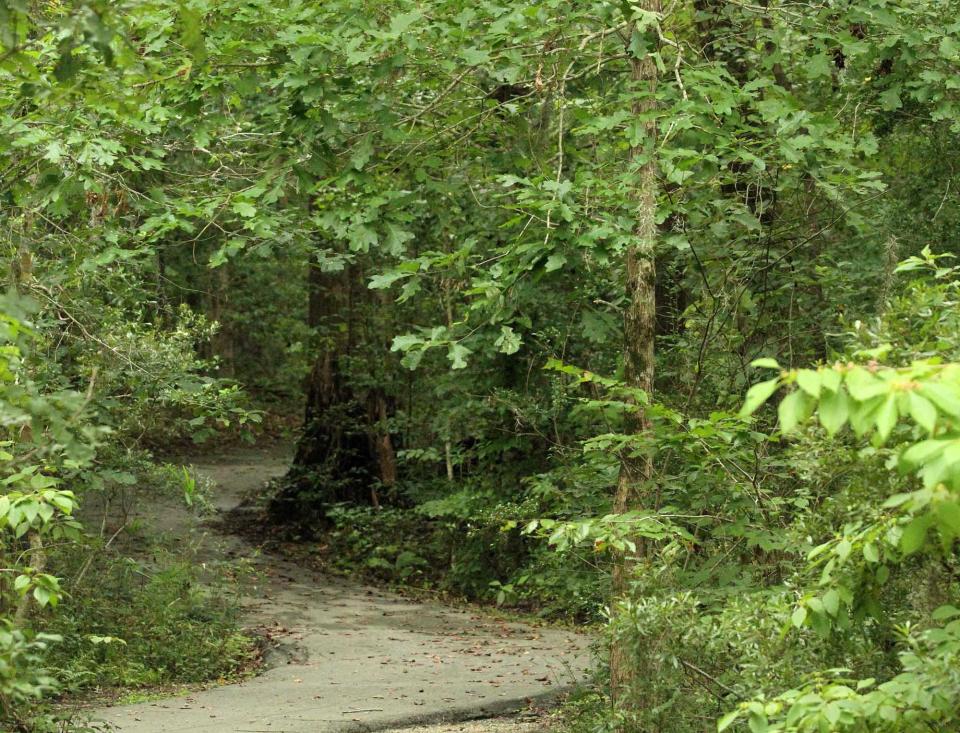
(345, 656)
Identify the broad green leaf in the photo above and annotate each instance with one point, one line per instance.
(949, 47)
(42, 595)
(405, 342)
(457, 355)
(833, 412)
(809, 381)
(727, 720)
(831, 380)
(757, 395)
(922, 411)
(943, 396)
(844, 548)
(386, 279)
(475, 56)
(923, 452)
(831, 602)
(863, 386)
(555, 262)
(914, 535)
(863, 414)
(757, 722)
(948, 515)
(509, 341)
(244, 209)
(794, 409)
(191, 32)
(945, 612)
(887, 417)
(799, 616)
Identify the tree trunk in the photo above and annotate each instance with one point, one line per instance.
(382, 444)
(222, 343)
(334, 459)
(639, 329)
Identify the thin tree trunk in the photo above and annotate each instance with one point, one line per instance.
(636, 471)
(447, 286)
(386, 455)
(38, 563)
(223, 346)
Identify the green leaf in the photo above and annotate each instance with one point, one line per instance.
(833, 411)
(244, 209)
(794, 409)
(509, 342)
(923, 452)
(457, 355)
(799, 616)
(765, 363)
(870, 553)
(402, 22)
(844, 548)
(42, 595)
(922, 411)
(386, 279)
(191, 32)
(555, 262)
(819, 66)
(943, 396)
(757, 395)
(914, 535)
(757, 722)
(945, 612)
(411, 359)
(890, 99)
(475, 56)
(809, 381)
(948, 515)
(831, 602)
(404, 342)
(831, 380)
(949, 47)
(727, 720)
(864, 386)
(887, 417)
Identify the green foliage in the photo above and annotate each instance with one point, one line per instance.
(23, 676)
(152, 626)
(426, 206)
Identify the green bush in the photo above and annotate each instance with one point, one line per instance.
(151, 626)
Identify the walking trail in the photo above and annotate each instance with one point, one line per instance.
(353, 657)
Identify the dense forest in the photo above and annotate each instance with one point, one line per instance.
(638, 315)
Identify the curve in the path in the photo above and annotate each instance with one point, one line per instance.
(359, 658)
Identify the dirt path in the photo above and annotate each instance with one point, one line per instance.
(355, 657)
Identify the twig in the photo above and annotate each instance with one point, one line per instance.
(714, 680)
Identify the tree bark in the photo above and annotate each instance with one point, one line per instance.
(223, 342)
(335, 459)
(639, 330)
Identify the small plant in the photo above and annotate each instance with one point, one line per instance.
(189, 485)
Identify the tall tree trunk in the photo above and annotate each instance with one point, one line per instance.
(335, 459)
(639, 330)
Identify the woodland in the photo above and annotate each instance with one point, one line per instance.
(637, 315)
